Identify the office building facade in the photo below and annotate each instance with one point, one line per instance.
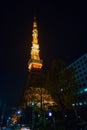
(80, 66)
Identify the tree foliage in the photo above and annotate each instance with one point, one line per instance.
(61, 83)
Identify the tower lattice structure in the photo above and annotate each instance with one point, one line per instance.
(35, 91)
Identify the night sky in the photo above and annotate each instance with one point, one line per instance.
(62, 30)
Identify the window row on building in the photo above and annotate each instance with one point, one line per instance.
(79, 104)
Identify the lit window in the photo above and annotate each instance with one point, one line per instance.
(61, 89)
(85, 102)
(85, 89)
(80, 103)
(73, 104)
(81, 91)
(76, 104)
(65, 115)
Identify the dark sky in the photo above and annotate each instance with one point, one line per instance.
(62, 30)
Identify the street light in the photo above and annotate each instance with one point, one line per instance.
(32, 105)
(18, 112)
(50, 114)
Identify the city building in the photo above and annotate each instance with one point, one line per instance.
(80, 66)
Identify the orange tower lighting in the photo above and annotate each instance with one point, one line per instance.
(35, 62)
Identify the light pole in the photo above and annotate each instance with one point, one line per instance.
(50, 114)
(32, 105)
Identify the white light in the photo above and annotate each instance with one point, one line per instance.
(76, 104)
(61, 89)
(50, 113)
(73, 104)
(80, 103)
(65, 115)
(38, 115)
(19, 112)
(85, 89)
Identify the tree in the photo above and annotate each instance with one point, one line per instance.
(37, 93)
(61, 84)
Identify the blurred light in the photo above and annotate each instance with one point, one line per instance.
(18, 112)
(33, 104)
(73, 104)
(50, 113)
(76, 104)
(25, 128)
(85, 102)
(61, 89)
(80, 103)
(85, 89)
(38, 115)
(4, 127)
(65, 115)
(81, 91)
(78, 116)
(9, 118)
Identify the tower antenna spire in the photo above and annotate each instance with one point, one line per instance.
(35, 18)
(35, 62)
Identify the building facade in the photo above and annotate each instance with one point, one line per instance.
(80, 66)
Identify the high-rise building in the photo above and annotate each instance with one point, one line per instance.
(35, 91)
(81, 76)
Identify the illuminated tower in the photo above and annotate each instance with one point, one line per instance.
(35, 91)
(35, 62)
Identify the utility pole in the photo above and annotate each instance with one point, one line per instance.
(33, 105)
